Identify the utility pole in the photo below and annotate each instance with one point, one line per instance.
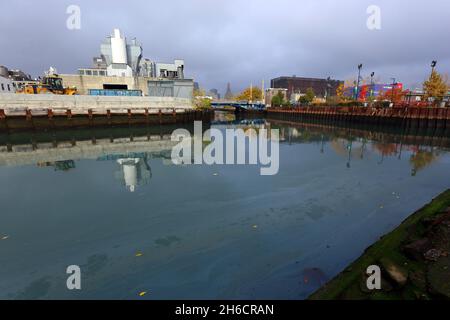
(327, 92)
(263, 95)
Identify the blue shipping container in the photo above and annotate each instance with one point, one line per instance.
(115, 92)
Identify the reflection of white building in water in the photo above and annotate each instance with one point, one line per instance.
(134, 172)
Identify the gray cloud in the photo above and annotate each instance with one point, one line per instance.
(237, 41)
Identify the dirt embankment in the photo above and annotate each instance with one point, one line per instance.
(414, 260)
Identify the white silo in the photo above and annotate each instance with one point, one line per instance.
(118, 47)
(130, 172)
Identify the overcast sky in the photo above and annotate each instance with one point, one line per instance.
(240, 41)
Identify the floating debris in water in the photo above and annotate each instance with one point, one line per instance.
(139, 254)
(255, 226)
(5, 237)
(396, 195)
(142, 293)
(215, 174)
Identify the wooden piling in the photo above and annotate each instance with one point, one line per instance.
(28, 115)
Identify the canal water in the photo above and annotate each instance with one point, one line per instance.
(139, 227)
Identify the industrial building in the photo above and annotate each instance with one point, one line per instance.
(124, 59)
(371, 90)
(121, 66)
(322, 87)
(6, 85)
(11, 80)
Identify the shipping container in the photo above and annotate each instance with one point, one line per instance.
(115, 92)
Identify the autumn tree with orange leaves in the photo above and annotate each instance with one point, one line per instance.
(395, 95)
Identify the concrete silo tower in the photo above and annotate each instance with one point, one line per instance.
(118, 48)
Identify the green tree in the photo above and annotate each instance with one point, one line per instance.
(308, 97)
(435, 87)
(340, 91)
(202, 103)
(199, 93)
(277, 100)
(286, 104)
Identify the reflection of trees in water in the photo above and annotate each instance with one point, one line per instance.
(421, 159)
(350, 148)
(385, 149)
(224, 116)
(343, 147)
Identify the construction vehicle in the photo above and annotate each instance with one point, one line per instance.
(50, 84)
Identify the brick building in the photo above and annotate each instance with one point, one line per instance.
(321, 87)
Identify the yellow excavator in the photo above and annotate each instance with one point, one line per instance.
(50, 84)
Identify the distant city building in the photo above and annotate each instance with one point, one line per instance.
(321, 87)
(271, 92)
(228, 93)
(214, 93)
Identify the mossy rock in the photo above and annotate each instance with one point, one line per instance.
(419, 280)
(439, 277)
(395, 271)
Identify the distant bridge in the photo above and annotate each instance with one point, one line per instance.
(239, 105)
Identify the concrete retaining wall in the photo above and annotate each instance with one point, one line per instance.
(84, 83)
(12, 102)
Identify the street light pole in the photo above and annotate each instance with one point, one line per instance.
(394, 83)
(433, 65)
(371, 83)
(359, 78)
